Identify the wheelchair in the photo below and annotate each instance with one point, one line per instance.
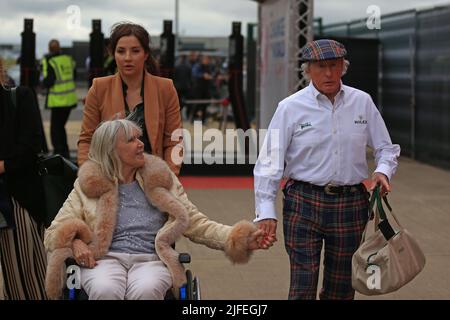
(189, 291)
(58, 176)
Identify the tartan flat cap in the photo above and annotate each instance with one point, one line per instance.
(323, 49)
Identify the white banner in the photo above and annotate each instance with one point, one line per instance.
(274, 76)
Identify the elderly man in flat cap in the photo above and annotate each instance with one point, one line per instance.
(317, 141)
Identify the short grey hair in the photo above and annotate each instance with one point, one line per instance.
(103, 145)
(305, 69)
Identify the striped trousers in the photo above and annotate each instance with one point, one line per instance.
(23, 258)
(312, 218)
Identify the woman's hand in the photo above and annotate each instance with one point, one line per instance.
(83, 255)
(260, 240)
(269, 226)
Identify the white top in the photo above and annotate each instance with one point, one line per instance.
(311, 140)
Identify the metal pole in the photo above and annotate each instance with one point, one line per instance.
(167, 47)
(96, 50)
(304, 30)
(28, 67)
(251, 69)
(258, 73)
(380, 76)
(412, 49)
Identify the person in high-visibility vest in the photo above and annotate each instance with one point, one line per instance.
(58, 71)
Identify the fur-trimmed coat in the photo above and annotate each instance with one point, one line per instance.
(90, 211)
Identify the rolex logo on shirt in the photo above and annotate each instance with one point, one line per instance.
(360, 121)
(305, 125)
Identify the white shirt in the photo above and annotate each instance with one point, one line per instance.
(312, 140)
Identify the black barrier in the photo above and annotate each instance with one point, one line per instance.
(167, 49)
(252, 29)
(96, 50)
(363, 55)
(29, 68)
(29, 74)
(414, 78)
(235, 83)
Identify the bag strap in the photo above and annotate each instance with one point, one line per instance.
(380, 213)
(377, 213)
(14, 96)
(376, 199)
(370, 212)
(391, 211)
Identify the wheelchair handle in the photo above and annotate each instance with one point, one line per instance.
(184, 257)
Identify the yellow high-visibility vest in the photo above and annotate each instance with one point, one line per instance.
(62, 93)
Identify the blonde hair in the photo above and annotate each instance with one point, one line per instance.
(103, 145)
(305, 69)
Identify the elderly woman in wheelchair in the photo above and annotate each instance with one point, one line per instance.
(122, 218)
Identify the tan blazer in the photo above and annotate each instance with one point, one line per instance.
(105, 101)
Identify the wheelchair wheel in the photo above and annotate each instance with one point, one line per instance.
(189, 286)
(196, 291)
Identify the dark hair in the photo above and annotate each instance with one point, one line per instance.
(53, 46)
(123, 29)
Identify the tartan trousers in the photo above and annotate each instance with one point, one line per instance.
(311, 217)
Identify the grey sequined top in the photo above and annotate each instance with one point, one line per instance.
(138, 221)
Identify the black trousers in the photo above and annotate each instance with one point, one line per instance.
(201, 94)
(59, 117)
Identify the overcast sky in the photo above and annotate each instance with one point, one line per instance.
(58, 18)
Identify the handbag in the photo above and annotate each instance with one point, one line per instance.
(58, 176)
(6, 206)
(388, 259)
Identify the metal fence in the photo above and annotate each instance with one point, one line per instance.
(415, 78)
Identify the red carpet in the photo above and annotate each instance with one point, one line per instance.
(217, 182)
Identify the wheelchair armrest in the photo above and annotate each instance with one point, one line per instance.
(70, 261)
(73, 294)
(184, 257)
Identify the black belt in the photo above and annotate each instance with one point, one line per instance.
(332, 189)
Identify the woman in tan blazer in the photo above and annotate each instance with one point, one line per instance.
(134, 92)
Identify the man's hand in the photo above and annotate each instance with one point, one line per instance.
(269, 227)
(381, 180)
(83, 255)
(2, 166)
